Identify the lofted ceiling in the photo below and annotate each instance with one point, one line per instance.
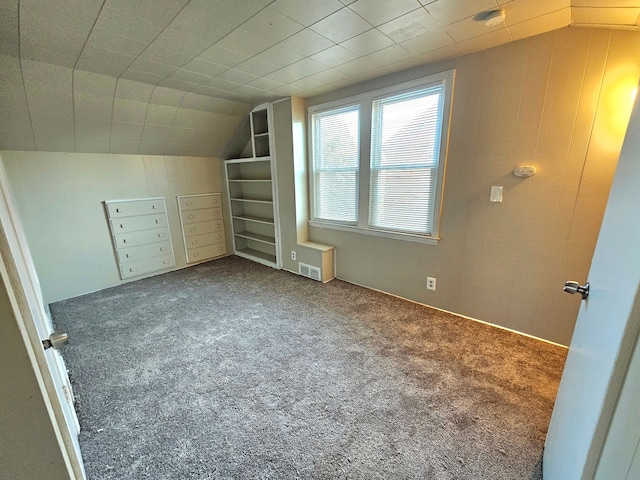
(178, 77)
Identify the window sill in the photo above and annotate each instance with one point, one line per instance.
(407, 237)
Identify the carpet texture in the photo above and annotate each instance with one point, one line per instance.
(230, 369)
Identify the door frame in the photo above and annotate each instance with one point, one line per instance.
(28, 330)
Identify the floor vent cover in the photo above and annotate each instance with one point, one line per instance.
(309, 271)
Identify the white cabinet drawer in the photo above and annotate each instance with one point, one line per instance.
(146, 265)
(130, 254)
(131, 239)
(208, 251)
(133, 224)
(206, 239)
(203, 227)
(193, 216)
(197, 202)
(135, 207)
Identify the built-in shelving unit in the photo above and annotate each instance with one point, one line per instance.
(252, 199)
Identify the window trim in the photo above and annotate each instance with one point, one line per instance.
(365, 100)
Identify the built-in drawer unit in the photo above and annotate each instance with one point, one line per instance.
(202, 226)
(140, 235)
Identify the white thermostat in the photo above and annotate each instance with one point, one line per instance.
(525, 171)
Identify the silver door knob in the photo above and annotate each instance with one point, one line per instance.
(57, 340)
(574, 287)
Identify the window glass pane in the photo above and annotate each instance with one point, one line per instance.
(335, 164)
(405, 150)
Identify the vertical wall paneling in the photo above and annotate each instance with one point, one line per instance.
(543, 101)
(59, 199)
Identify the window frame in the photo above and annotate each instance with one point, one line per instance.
(365, 100)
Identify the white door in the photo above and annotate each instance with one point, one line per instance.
(35, 323)
(605, 331)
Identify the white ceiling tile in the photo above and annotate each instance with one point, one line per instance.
(265, 84)
(522, 10)
(55, 141)
(377, 12)
(409, 26)
(253, 92)
(160, 115)
(100, 55)
(137, 27)
(605, 16)
(450, 11)
(177, 84)
(222, 56)
(49, 55)
(448, 51)
(110, 40)
(167, 96)
(194, 101)
(9, 33)
(131, 90)
(341, 26)
(178, 42)
(347, 2)
(367, 42)
(220, 84)
(328, 76)
(278, 56)
(155, 133)
(91, 146)
(333, 56)
(306, 43)
(189, 76)
(143, 77)
(129, 111)
(151, 148)
(116, 147)
(306, 12)
(126, 132)
(296, 71)
(374, 60)
(255, 67)
(213, 20)
(236, 76)
(204, 67)
(482, 42)
(93, 84)
(155, 68)
(427, 42)
(92, 129)
(87, 106)
(227, 107)
(541, 24)
(159, 12)
(244, 42)
(100, 66)
(271, 26)
(187, 118)
(167, 57)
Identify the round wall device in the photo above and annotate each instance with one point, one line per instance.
(496, 17)
(524, 171)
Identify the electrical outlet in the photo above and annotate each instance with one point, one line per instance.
(293, 254)
(431, 283)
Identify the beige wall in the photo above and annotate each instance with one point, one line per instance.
(28, 448)
(59, 199)
(543, 101)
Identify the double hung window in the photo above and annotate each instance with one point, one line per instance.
(377, 160)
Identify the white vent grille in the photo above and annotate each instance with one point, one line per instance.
(310, 271)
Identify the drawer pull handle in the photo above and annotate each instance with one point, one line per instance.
(162, 249)
(124, 240)
(164, 262)
(188, 204)
(158, 220)
(154, 207)
(190, 217)
(192, 229)
(160, 235)
(195, 254)
(128, 255)
(118, 210)
(122, 225)
(194, 242)
(132, 269)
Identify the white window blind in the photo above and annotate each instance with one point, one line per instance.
(405, 151)
(336, 139)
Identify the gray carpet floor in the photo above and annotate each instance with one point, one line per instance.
(230, 369)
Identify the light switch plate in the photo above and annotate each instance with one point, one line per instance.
(496, 194)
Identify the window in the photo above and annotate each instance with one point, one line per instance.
(335, 164)
(378, 159)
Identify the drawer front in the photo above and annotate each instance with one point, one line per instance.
(146, 265)
(131, 254)
(202, 215)
(195, 203)
(203, 227)
(143, 222)
(131, 239)
(206, 239)
(136, 207)
(208, 251)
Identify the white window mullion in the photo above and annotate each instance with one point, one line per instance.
(365, 153)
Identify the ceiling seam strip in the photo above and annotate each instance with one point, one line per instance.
(24, 85)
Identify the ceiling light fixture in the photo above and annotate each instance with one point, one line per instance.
(493, 18)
